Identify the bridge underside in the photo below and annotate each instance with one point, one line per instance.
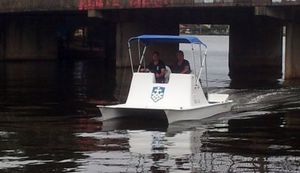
(255, 51)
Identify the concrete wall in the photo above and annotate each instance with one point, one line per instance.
(2, 38)
(127, 30)
(255, 50)
(292, 57)
(28, 37)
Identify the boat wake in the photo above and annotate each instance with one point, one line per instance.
(269, 100)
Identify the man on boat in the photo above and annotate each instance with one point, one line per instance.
(157, 67)
(182, 65)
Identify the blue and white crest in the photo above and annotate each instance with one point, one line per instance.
(157, 93)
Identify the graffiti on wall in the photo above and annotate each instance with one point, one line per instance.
(99, 4)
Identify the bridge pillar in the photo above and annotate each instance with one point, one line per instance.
(255, 50)
(2, 39)
(28, 37)
(292, 54)
(128, 30)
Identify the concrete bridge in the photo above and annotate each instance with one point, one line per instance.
(43, 29)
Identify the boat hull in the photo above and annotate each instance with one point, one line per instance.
(197, 113)
(113, 112)
(182, 98)
(171, 115)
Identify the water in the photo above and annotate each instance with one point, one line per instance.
(49, 123)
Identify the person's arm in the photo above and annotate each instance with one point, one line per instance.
(149, 68)
(186, 69)
(161, 74)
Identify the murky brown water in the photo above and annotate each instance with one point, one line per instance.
(49, 123)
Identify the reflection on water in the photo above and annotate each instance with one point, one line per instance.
(53, 88)
(263, 143)
(49, 123)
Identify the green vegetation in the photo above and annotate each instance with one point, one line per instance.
(204, 29)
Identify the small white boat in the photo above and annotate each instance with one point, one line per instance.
(181, 98)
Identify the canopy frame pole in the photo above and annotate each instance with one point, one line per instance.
(130, 56)
(203, 62)
(205, 55)
(194, 61)
(144, 62)
(142, 58)
(201, 58)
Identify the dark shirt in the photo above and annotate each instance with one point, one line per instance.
(179, 68)
(156, 69)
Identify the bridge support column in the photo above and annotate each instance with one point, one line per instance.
(127, 30)
(28, 37)
(2, 39)
(255, 50)
(292, 54)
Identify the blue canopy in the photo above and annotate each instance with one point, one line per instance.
(150, 39)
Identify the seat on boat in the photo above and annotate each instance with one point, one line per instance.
(167, 74)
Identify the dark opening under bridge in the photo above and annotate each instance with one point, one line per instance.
(43, 29)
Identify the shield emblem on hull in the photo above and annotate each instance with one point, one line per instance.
(157, 93)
